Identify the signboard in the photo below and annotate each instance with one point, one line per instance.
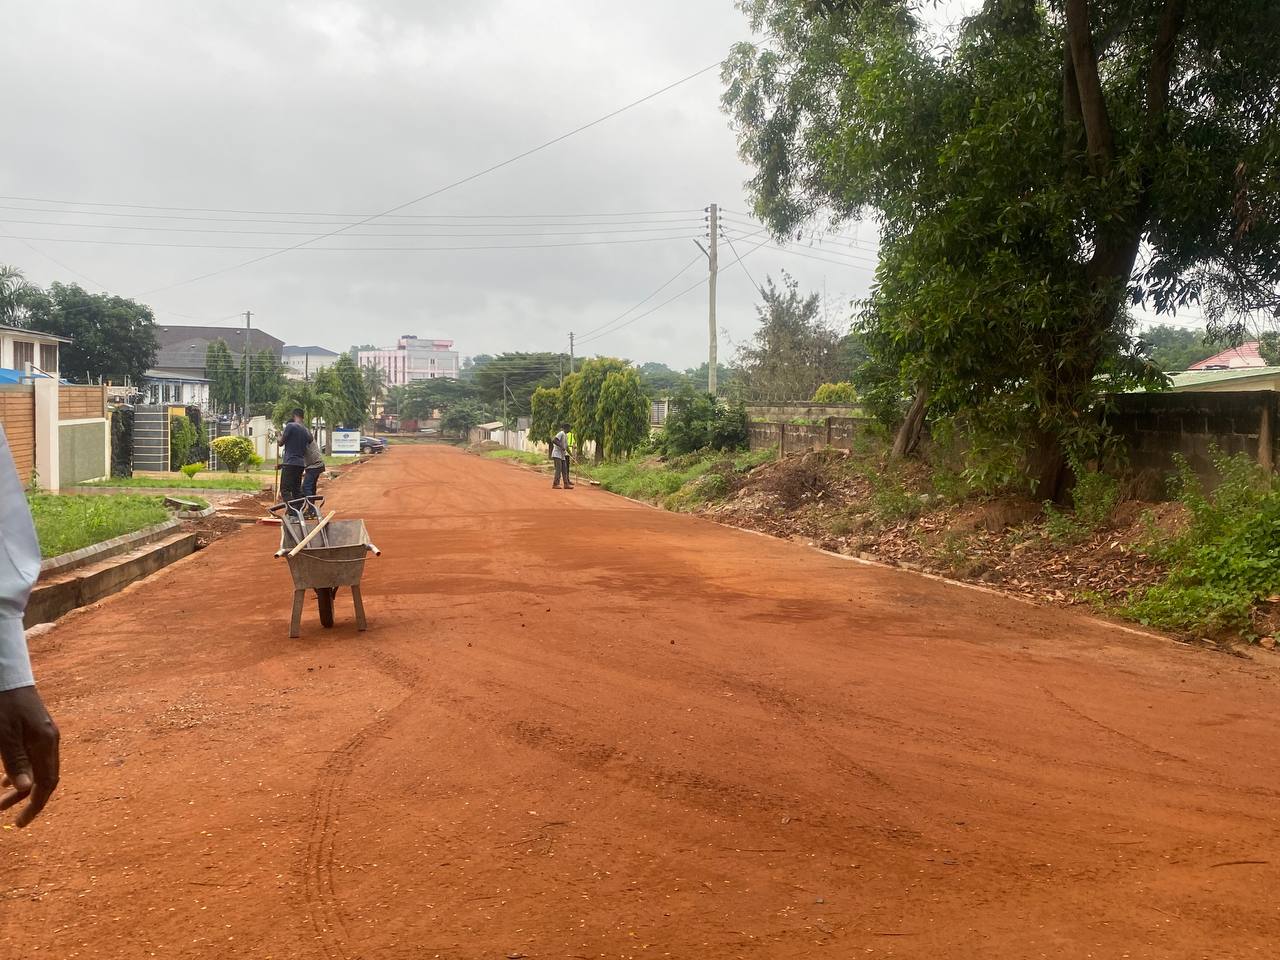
(344, 441)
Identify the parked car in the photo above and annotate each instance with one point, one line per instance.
(372, 445)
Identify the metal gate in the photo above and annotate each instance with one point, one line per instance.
(151, 438)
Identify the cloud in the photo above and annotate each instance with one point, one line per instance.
(353, 107)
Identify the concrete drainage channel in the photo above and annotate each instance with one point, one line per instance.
(84, 576)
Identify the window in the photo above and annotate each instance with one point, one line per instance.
(49, 357)
(23, 353)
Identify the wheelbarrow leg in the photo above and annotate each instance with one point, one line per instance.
(361, 624)
(295, 624)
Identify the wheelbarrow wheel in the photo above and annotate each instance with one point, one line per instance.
(324, 598)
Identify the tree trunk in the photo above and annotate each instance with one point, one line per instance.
(908, 438)
(1047, 468)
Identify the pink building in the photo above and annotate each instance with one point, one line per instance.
(413, 358)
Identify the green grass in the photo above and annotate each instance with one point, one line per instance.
(519, 456)
(201, 481)
(66, 523)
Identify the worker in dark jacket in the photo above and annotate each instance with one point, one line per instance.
(293, 456)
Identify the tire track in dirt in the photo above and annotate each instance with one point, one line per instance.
(323, 905)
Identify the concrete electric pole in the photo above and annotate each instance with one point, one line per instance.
(571, 351)
(247, 316)
(713, 264)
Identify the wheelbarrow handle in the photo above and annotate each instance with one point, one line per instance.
(316, 501)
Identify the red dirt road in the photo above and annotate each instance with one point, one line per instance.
(578, 727)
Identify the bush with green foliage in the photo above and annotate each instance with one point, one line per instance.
(698, 421)
(842, 392)
(189, 470)
(1226, 560)
(232, 452)
(183, 437)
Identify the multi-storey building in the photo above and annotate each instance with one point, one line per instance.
(413, 358)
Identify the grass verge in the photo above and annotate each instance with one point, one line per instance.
(179, 482)
(66, 523)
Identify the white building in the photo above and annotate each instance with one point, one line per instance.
(175, 387)
(304, 362)
(21, 347)
(413, 358)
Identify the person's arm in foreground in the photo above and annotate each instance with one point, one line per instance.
(28, 737)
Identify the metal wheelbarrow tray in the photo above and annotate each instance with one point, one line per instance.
(332, 560)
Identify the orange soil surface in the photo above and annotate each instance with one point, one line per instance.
(581, 728)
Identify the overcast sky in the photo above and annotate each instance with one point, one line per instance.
(354, 107)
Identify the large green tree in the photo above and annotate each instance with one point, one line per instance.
(111, 337)
(793, 351)
(586, 412)
(1176, 348)
(624, 408)
(346, 384)
(420, 399)
(514, 376)
(226, 382)
(549, 408)
(1044, 166)
(267, 378)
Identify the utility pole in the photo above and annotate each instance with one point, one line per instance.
(504, 410)
(247, 316)
(713, 264)
(570, 351)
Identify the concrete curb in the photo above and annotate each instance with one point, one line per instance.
(107, 548)
(49, 601)
(160, 491)
(208, 511)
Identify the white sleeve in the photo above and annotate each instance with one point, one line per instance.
(19, 568)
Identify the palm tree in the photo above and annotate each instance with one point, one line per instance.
(316, 405)
(13, 287)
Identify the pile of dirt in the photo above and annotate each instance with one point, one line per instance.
(843, 504)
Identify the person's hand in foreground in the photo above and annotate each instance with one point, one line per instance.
(29, 751)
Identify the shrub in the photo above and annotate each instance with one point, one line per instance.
(182, 438)
(1227, 559)
(698, 421)
(233, 452)
(191, 469)
(843, 392)
(1094, 497)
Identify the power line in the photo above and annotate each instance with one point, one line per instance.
(222, 246)
(641, 303)
(355, 217)
(381, 236)
(488, 222)
(449, 186)
(677, 296)
(743, 265)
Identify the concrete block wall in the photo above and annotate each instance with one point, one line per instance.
(1154, 427)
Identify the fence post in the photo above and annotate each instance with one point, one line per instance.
(1266, 453)
(782, 440)
(48, 458)
(829, 431)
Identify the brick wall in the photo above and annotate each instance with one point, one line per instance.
(18, 416)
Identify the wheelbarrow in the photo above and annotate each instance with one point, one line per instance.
(324, 554)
